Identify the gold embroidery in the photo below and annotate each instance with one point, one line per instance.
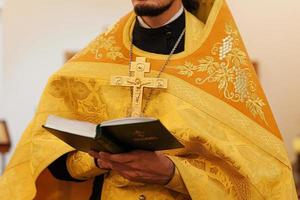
(235, 184)
(82, 166)
(80, 96)
(103, 46)
(230, 71)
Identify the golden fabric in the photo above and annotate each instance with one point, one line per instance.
(206, 6)
(214, 104)
(82, 166)
(177, 184)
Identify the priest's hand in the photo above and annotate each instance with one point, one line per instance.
(139, 166)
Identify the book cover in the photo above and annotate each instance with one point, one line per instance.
(115, 136)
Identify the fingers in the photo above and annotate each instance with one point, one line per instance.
(108, 164)
(107, 156)
(94, 154)
(104, 164)
(127, 157)
(123, 157)
(120, 158)
(109, 161)
(143, 177)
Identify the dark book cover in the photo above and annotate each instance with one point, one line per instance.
(149, 135)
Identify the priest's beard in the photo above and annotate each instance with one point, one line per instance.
(151, 11)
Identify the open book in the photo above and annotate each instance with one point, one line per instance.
(115, 136)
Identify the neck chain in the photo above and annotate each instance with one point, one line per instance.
(161, 69)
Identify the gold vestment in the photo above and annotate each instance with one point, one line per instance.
(214, 104)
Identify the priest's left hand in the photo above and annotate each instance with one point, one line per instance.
(139, 166)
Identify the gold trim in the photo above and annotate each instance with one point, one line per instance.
(227, 67)
(230, 117)
(190, 46)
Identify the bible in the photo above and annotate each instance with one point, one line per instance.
(114, 136)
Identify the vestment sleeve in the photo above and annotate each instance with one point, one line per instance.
(82, 166)
(176, 183)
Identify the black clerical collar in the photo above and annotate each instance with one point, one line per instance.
(160, 40)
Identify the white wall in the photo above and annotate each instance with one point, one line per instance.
(36, 34)
(1, 62)
(1, 54)
(271, 31)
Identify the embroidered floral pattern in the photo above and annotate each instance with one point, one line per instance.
(83, 97)
(104, 46)
(234, 184)
(227, 66)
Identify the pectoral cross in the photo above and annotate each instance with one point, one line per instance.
(139, 82)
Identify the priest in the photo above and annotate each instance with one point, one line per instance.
(183, 62)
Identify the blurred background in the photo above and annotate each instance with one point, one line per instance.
(37, 36)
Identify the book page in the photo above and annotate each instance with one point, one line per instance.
(129, 120)
(71, 126)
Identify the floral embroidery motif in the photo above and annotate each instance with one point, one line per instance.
(234, 184)
(83, 97)
(230, 71)
(104, 45)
